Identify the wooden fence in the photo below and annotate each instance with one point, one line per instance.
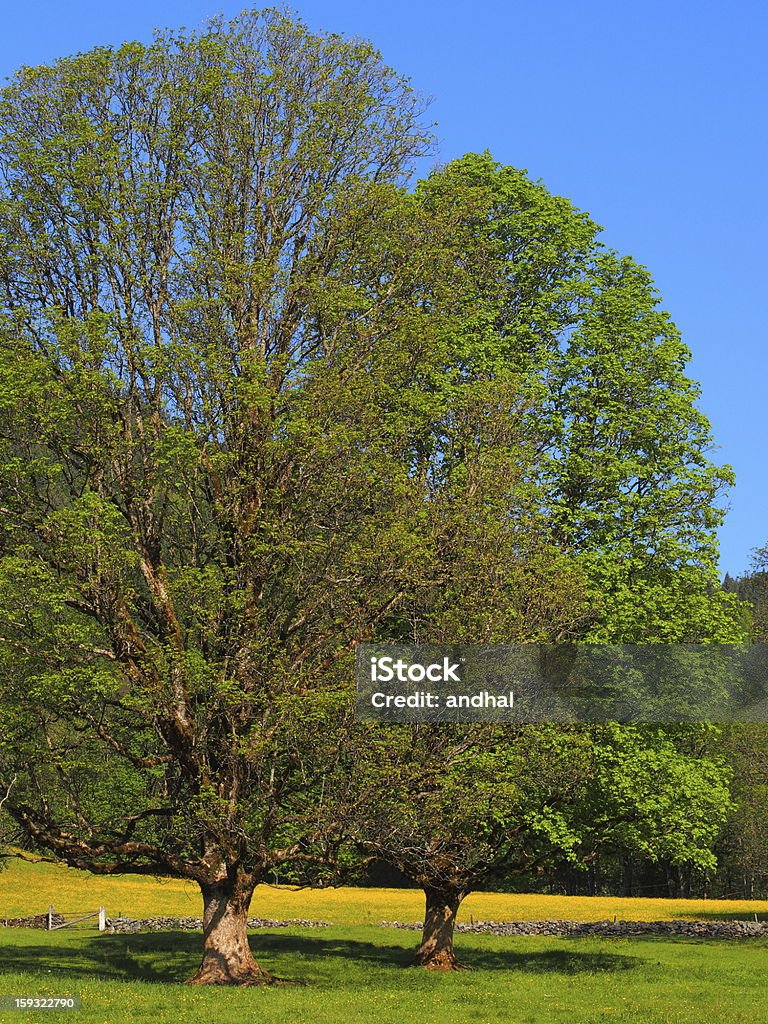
(55, 919)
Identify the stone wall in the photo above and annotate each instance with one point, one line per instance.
(157, 924)
(38, 921)
(691, 929)
(192, 924)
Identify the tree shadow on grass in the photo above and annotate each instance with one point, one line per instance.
(475, 957)
(550, 961)
(171, 957)
(161, 957)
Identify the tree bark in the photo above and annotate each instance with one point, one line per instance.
(436, 949)
(227, 957)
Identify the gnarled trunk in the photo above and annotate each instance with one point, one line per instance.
(227, 957)
(436, 949)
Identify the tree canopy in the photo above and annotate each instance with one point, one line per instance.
(260, 402)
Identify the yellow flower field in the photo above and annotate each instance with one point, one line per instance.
(27, 888)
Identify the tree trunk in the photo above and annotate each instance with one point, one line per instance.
(436, 949)
(227, 957)
(627, 876)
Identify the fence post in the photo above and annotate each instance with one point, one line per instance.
(50, 917)
(102, 919)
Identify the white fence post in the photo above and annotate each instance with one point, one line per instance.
(102, 919)
(50, 916)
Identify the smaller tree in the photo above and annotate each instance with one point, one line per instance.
(455, 809)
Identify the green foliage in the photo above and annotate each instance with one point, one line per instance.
(622, 449)
(743, 848)
(656, 793)
(752, 588)
(451, 806)
(457, 807)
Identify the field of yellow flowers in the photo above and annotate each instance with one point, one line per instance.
(29, 888)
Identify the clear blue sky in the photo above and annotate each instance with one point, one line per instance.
(651, 116)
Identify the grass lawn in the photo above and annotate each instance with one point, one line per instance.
(357, 975)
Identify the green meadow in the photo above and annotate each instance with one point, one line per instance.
(359, 974)
(355, 971)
